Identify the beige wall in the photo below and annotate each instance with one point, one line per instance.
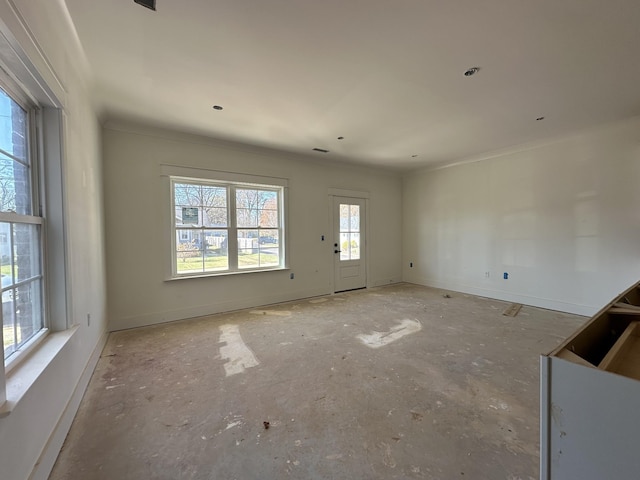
(562, 219)
(136, 208)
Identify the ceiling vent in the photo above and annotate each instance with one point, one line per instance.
(151, 4)
(321, 150)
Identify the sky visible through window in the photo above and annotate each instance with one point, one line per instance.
(14, 172)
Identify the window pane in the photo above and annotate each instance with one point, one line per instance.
(355, 218)
(189, 255)
(344, 218)
(269, 248)
(345, 239)
(214, 196)
(28, 301)
(9, 328)
(246, 198)
(248, 249)
(187, 194)
(215, 217)
(15, 187)
(214, 203)
(21, 305)
(354, 253)
(26, 244)
(215, 250)
(268, 238)
(257, 208)
(268, 203)
(247, 217)
(7, 257)
(13, 128)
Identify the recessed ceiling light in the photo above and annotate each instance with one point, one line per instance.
(539, 118)
(151, 4)
(471, 71)
(321, 150)
(340, 138)
(217, 107)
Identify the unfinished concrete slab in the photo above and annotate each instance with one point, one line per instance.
(449, 391)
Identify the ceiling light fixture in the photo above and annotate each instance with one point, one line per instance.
(414, 156)
(217, 107)
(150, 4)
(471, 71)
(340, 138)
(539, 118)
(321, 150)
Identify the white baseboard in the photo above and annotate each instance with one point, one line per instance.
(154, 318)
(547, 303)
(385, 281)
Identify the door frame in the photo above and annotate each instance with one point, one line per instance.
(361, 195)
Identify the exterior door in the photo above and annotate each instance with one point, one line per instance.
(349, 243)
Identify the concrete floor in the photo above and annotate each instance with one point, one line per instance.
(449, 391)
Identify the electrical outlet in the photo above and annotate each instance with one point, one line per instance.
(487, 274)
(88, 319)
(291, 276)
(410, 264)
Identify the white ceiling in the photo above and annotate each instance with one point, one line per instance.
(387, 75)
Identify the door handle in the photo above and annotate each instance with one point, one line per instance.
(337, 251)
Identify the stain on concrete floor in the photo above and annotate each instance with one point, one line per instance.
(457, 398)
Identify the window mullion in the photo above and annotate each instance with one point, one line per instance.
(281, 239)
(174, 231)
(34, 154)
(232, 239)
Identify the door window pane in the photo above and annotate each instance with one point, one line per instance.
(354, 246)
(349, 232)
(345, 240)
(354, 218)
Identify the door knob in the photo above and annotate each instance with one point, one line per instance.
(337, 251)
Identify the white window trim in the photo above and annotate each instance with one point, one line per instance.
(171, 173)
(24, 367)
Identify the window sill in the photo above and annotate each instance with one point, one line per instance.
(23, 353)
(28, 370)
(225, 274)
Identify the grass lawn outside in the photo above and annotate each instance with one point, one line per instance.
(220, 262)
(7, 336)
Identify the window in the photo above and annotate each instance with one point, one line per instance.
(225, 227)
(349, 232)
(20, 227)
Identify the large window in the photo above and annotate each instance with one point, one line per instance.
(20, 227)
(223, 227)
